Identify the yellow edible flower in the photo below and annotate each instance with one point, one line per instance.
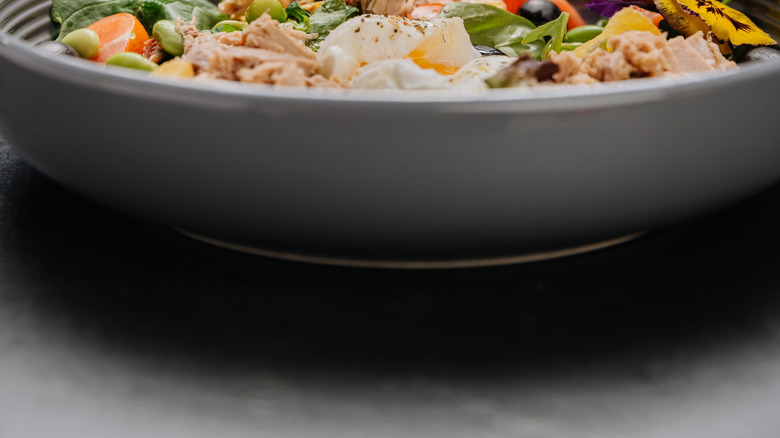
(726, 23)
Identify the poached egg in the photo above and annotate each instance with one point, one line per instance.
(438, 44)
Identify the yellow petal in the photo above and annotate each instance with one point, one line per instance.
(727, 24)
(679, 19)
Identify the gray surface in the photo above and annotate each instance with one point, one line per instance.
(114, 327)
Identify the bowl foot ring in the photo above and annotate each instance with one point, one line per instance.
(416, 264)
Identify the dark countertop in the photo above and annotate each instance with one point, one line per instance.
(114, 327)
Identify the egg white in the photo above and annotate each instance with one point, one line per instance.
(474, 73)
(398, 74)
(441, 44)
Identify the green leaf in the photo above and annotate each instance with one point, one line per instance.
(494, 27)
(205, 18)
(555, 29)
(227, 28)
(327, 17)
(77, 14)
(149, 12)
(297, 13)
(61, 10)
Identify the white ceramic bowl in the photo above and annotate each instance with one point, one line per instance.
(409, 177)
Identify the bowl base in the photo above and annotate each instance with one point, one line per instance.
(415, 264)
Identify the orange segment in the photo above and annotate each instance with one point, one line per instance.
(119, 33)
(624, 20)
(655, 17)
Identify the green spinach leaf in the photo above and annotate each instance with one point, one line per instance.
(555, 29)
(326, 18)
(297, 13)
(490, 26)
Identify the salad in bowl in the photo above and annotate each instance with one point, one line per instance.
(406, 134)
(407, 44)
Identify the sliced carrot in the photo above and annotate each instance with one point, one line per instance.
(119, 33)
(514, 5)
(426, 11)
(575, 19)
(655, 16)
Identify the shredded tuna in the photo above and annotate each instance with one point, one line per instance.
(697, 54)
(153, 51)
(264, 53)
(233, 63)
(640, 54)
(648, 54)
(569, 69)
(387, 7)
(234, 8)
(267, 34)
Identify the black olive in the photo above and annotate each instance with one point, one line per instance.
(487, 50)
(760, 54)
(58, 48)
(539, 12)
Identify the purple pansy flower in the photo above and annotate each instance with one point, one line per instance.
(607, 8)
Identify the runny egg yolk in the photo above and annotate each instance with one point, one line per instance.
(441, 49)
(420, 58)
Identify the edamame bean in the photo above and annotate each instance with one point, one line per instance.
(564, 46)
(84, 41)
(131, 60)
(569, 46)
(164, 31)
(228, 26)
(272, 7)
(583, 34)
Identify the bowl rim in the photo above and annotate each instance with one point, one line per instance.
(517, 100)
